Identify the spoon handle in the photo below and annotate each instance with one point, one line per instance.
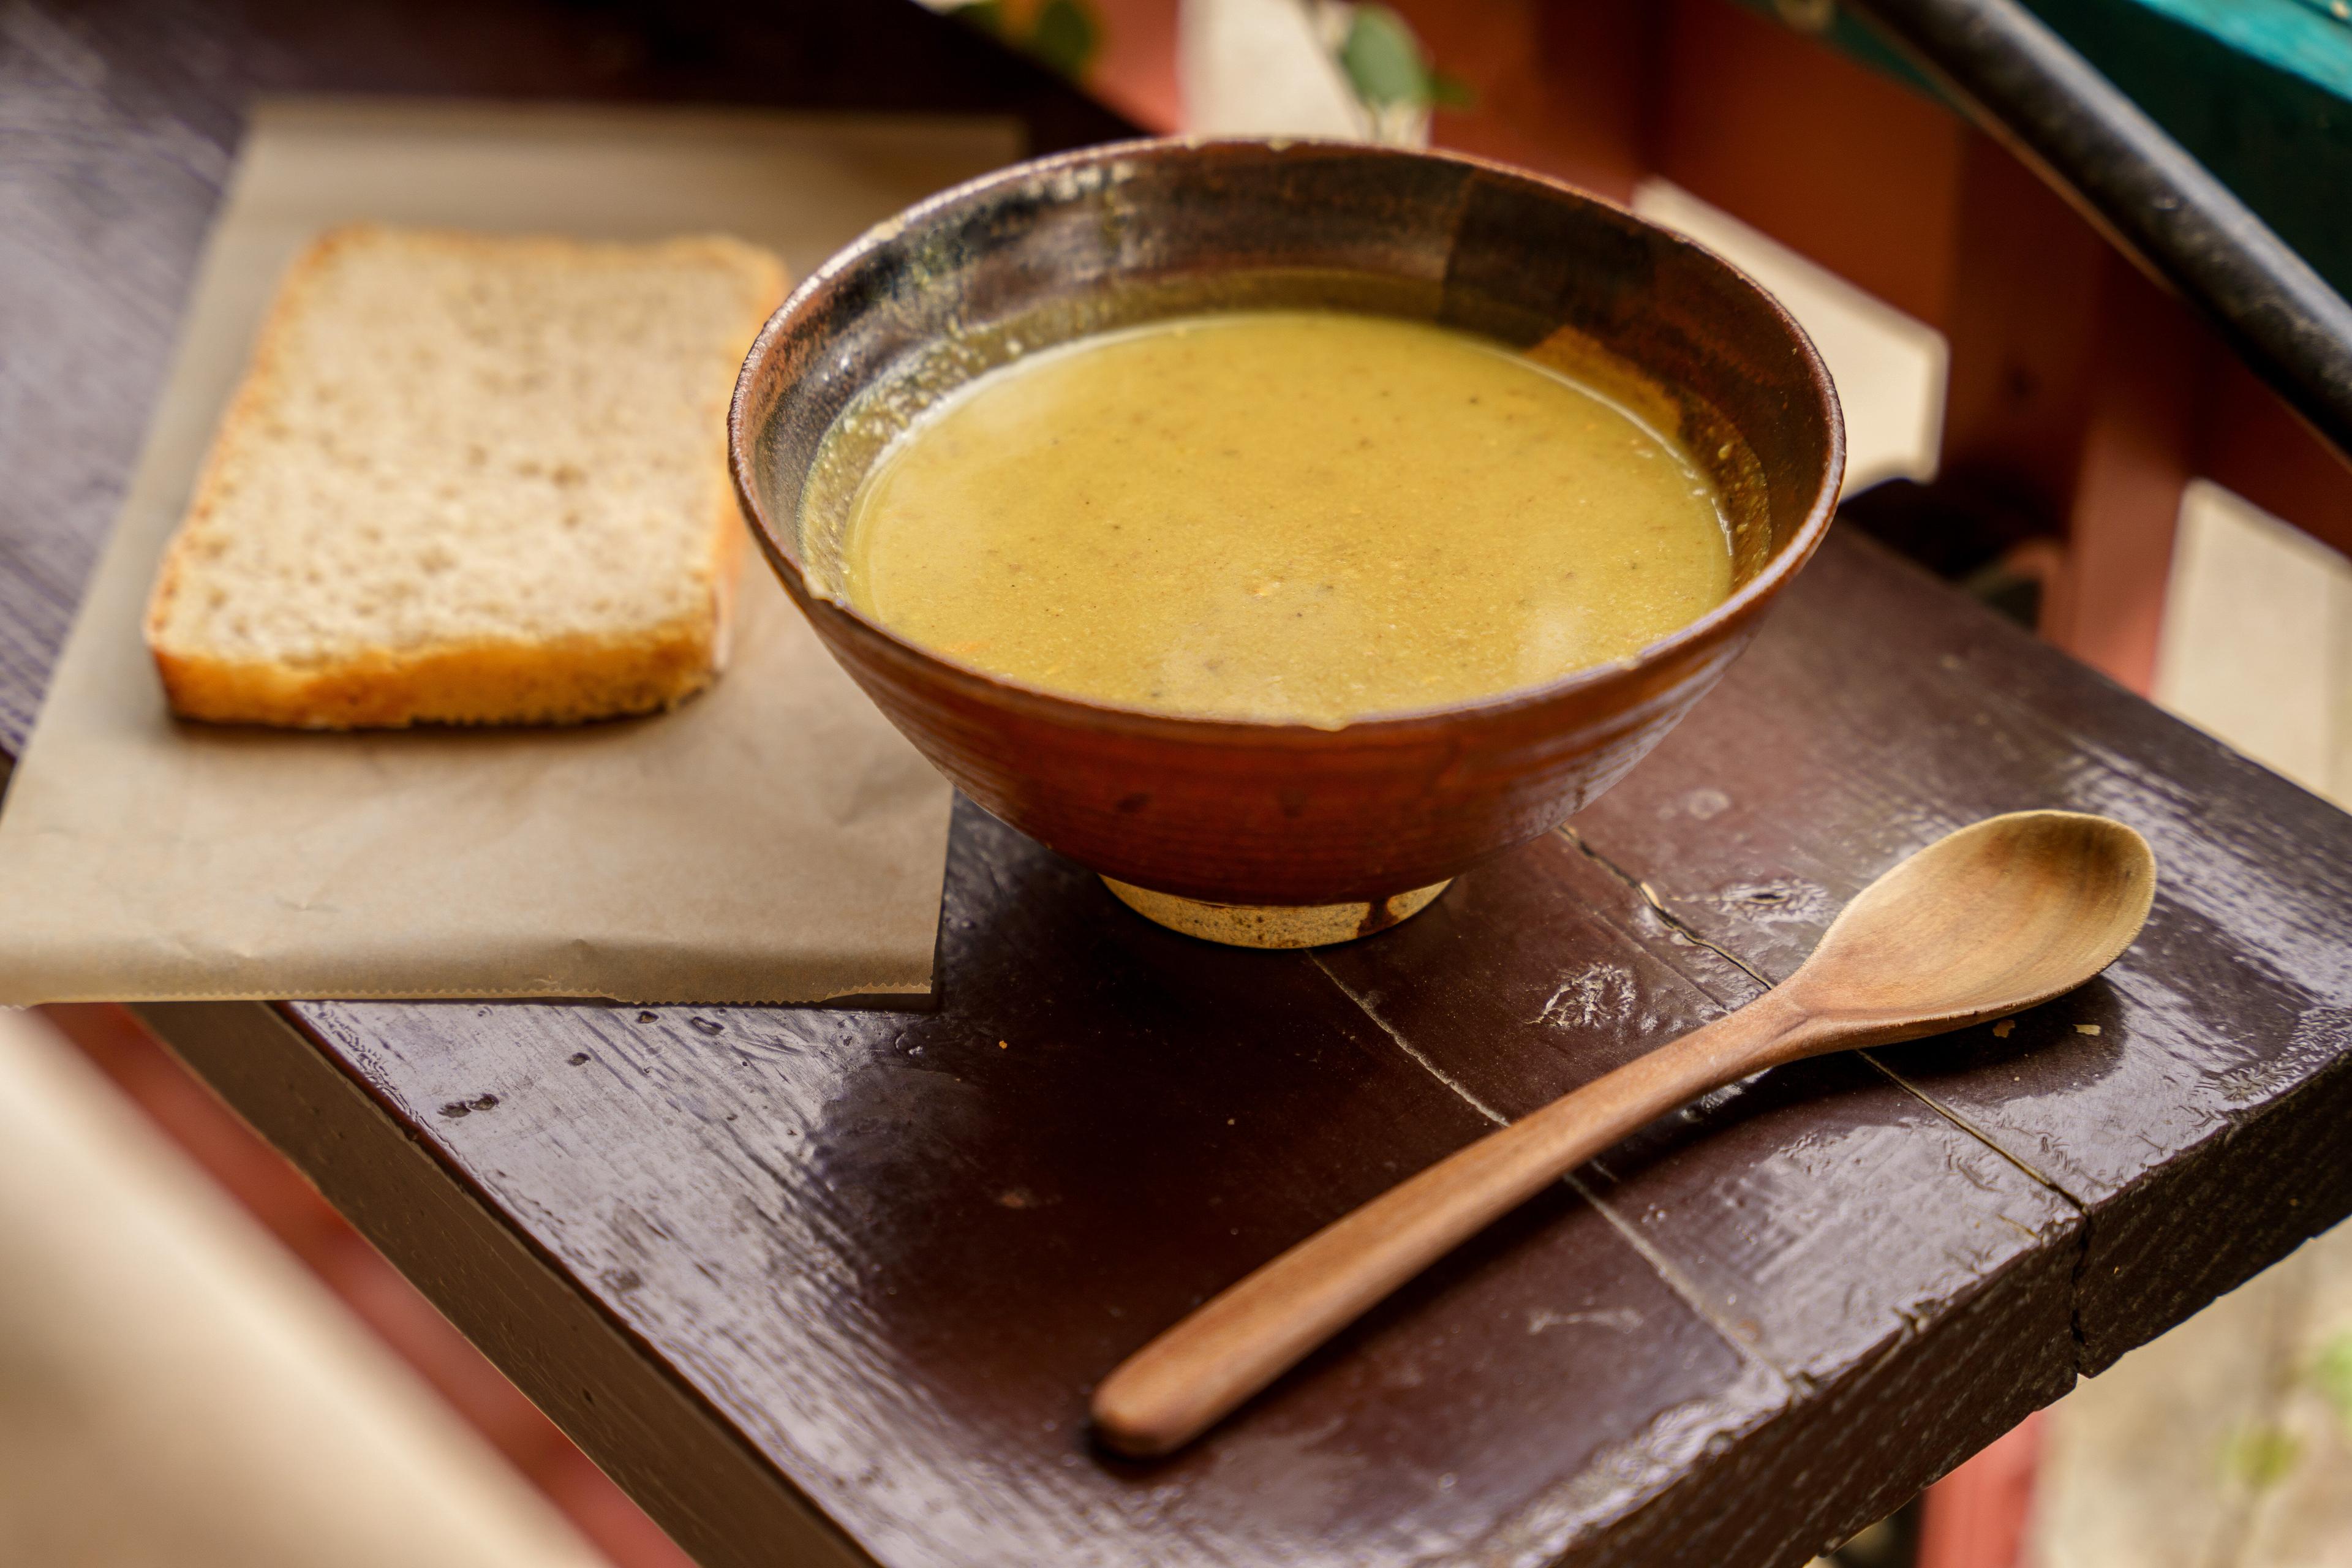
(1186, 1380)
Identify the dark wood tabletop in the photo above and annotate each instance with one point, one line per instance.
(832, 1286)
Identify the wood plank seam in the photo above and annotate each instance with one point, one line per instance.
(1453, 1085)
(1960, 1119)
(1797, 1382)
(2077, 1285)
(1649, 896)
(2082, 1231)
(1794, 1388)
(1821, 1400)
(1675, 923)
(1801, 1384)
(1676, 1280)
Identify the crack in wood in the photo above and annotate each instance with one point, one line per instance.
(1962, 1122)
(1461, 1090)
(1681, 1284)
(1649, 896)
(2082, 1230)
(1675, 923)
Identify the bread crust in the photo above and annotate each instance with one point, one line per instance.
(566, 682)
(526, 681)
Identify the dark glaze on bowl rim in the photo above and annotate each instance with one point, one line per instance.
(906, 679)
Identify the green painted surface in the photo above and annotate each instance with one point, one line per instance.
(2312, 39)
(2259, 91)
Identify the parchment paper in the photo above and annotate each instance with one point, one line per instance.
(773, 840)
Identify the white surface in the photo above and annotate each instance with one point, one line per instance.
(2257, 644)
(1890, 368)
(176, 1392)
(1269, 67)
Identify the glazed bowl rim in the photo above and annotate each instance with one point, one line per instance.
(1042, 702)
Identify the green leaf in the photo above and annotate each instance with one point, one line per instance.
(2260, 1456)
(1382, 59)
(1065, 36)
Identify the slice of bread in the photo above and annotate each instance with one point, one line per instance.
(469, 480)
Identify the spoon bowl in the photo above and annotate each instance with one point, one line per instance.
(1988, 921)
(1993, 918)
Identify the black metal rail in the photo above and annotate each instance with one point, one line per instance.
(2028, 87)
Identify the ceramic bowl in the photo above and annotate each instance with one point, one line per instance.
(1270, 833)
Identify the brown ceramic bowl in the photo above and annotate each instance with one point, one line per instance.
(1264, 814)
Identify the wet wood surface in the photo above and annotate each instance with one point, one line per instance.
(832, 1286)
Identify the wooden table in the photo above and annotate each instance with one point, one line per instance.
(823, 1286)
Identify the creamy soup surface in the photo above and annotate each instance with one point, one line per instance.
(1306, 516)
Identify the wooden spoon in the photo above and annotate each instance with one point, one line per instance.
(1985, 921)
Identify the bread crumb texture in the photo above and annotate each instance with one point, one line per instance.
(469, 480)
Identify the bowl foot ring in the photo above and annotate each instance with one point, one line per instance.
(1275, 925)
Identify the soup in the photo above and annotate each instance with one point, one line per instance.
(1291, 516)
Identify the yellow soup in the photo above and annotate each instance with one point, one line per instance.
(1298, 516)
